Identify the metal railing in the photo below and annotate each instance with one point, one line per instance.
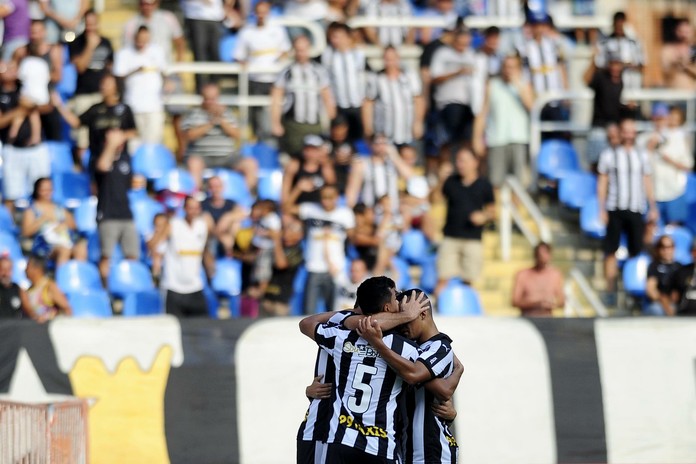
(510, 212)
(573, 306)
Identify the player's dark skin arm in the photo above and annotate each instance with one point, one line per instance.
(308, 325)
(444, 410)
(443, 389)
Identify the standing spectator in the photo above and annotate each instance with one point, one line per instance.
(44, 300)
(298, 98)
(679, 58)
(34, 76)
(544, 63)
(453, 72)
(186, 243)
(141, 67)
(328, 226)
(539, 289)
(660, 271)
(504, 119)
(347, 68)
(213, 139)
(376, 176)
(304, 178)
(672, 159)
(15, 15)
(92, 56)
(313, 10)
(470, 206)
(623, 187)
(347, 285)
(287, 258)
(261, 44)
(443, 9)
(682, 288)
(389, 35)
(64, 19)
(491, 50)
(393, 105)
(23, 162)
(13, 303)
(342, 151)
(203, 21)
(108, 114)
(607, 107)
(628, 51)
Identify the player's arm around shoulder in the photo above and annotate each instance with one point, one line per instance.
(443, 388)
(309, 325)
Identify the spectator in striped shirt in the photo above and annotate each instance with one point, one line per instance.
(389, 35)
(628, 50)
(298, 98)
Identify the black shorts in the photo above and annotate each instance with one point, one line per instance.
(311, 452)
(186, 304)
(342, 454)
(626, 222)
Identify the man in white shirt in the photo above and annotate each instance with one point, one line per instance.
(261, 44)
(141, 66)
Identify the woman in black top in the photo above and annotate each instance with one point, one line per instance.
(659, 272)
(303, 178)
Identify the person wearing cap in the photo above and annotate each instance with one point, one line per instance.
(671, 155)
(682, 288)
(607, 106)
(304, 177)
(298, 98)
(628, 51)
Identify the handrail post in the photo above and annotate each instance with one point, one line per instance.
(505, 222)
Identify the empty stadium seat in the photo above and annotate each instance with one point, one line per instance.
(61, 156)
(576, 188)
(176, 181)
(415, 247)
(128, 276)
(10, 245)
(75, 276)
(691, 188)
(403, 277)
(153, 160)
(265, 155)
(144, 212)
(235, 187)
(428, 278)
(86, 215)
(458, 299)
(19, 275)
(227, 281)
(7, 223)
(270, 185)
(590, 222)
(226, 48)
(71, 188)
(298, 289)
(145, 303)
(90, 303)
(555, 158)
(68, 81)
(635, 275)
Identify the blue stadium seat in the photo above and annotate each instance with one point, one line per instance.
(75, 276)
(401, 267)
(235, 187)
(298, 288)
(362, 147)
(7, 223)
(226, 48)
(19, 275)
(590, 222)
(415, 248)
(61, 156)
(68, 81)
(86, 156)
(145, 303)
(227, 281)
(176, 181)
(575, 188)
(428, 279)
(10, 245)
(691, 218)
(691, 188)
(270, 185)
(128, 276)
(86, 215)
(555, 158)
(635, 275)
(90, 303)
(153, 160)
(144, 212)
(265, 155)
(71, 188)
(458, 299)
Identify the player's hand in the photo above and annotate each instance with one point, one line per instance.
(369, 329)
(412, 306)
(318, 390)
(445, 410)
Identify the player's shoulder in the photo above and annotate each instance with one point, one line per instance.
(399, 343)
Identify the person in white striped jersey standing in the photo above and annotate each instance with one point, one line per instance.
(628, 51)
(299, 96)
(624, 188)
(347, 69)
(426, 437)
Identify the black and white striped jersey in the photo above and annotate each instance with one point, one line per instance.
(543, 61)
(630, 53)
(315, 426)
(394, 104)
(347, 75)
(626, 170)
(303, 84)
(427, 438)
(367, 390)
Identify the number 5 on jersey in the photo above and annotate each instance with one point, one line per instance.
(361, 383)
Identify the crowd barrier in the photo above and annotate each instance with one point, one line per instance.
(542, 391)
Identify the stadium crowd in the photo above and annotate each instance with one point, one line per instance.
(349, 167)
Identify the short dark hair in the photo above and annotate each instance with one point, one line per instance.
(543, 245)
(37, 185)
(401, 296)
(360, 208)
(374, 293)
(619, 16)
(142, 28)
(339, 26)
(491, 31)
